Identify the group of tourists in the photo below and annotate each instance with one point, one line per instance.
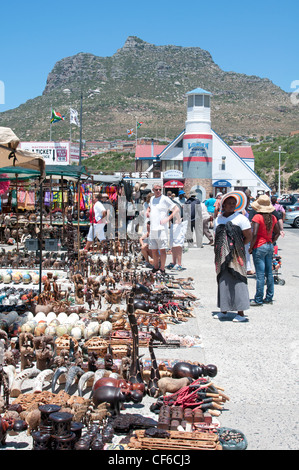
(241, 229)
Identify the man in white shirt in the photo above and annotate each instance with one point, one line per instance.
(160, 211)
(97, 215)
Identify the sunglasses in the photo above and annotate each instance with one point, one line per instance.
(157, 189)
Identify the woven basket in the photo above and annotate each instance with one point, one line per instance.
(97, 345)
(119, 351)
(64, 342)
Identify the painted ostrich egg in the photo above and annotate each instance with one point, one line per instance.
(62, 317)
(76, 332)
(35, 278)
(105, 328)
(7, 278)
(26, 278)
(92, 329)
(61, 330)
(74, 317)
(51, 316)
(16, 278)
(50, 330)
(40, 316)
(28, 327)
(40, 328)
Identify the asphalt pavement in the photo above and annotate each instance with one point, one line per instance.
(257, 360)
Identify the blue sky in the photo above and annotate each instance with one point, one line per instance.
(255, 38)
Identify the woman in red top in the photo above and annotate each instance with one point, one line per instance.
(265, 231)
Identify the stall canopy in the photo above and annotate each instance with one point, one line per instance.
(108, 179)
(70, 171)
(10, 155)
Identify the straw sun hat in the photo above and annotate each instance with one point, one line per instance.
(240, 198)
(263, 204)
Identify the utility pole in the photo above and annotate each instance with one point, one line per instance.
(279, 151)
(80, 149)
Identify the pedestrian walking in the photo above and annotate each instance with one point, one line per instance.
(97, 221)
(160, 211)
(144, 246)
(193, 213)
(217, 204)
(205, 224)
(246, 212)
(232, 233)
(265, 232)
(178, 232)
(210, 204)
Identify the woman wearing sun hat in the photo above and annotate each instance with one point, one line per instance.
(265, 231)
(232, 232)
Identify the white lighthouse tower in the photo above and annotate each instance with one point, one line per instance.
(198, 138)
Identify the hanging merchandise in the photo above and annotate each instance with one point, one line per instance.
(30, 200)
(14, 200)
(82, 203)
(21, 198)
(4, 185)
(48, 198)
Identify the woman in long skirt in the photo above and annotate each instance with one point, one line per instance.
(232, 233)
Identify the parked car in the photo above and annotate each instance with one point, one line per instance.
(289, 201)
(292, 218)
(292, 207)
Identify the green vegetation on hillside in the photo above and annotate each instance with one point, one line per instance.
(110, 162)
(267, 161)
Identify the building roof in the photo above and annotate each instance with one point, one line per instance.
(243, 151)
(198, 91)
(146, 150)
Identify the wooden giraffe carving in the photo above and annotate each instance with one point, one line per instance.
(135, 372)
(152, 388)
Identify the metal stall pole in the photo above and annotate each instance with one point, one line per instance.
(78, 225)
(17, 212)
(40, 235)
(62, 210)
(51, 215)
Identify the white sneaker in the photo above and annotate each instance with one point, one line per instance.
(220, 315)
(239, 318)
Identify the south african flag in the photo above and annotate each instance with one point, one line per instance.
(56, 117)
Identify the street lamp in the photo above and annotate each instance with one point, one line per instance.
(279, 158)
(68, 92)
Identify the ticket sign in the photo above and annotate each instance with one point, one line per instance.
(54, 153)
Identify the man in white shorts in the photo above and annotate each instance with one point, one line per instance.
(160, 211)
(97, 215)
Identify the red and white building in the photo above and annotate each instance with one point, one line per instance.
(199, 158)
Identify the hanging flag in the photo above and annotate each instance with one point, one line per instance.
(139, 124)
(56, 117)
(74, 117)
(130, 132)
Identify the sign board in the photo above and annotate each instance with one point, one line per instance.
(173, 174)
(174, 184)
(222, 184)
(54, 153)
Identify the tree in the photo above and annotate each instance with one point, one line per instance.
(294, 180)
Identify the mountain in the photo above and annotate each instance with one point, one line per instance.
(149, 83)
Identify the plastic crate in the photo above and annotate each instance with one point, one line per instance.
(32, 244)
(51, 244)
